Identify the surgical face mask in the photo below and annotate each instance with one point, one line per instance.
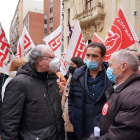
(53, 65)
(110, 75)
(92, 65)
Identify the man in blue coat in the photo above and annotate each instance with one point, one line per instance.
(87, 91)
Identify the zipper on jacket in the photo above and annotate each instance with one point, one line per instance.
(47, 103)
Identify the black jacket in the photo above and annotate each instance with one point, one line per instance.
(83, 110)
(32, 108)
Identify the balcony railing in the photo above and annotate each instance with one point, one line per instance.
(51, 15)
(51, 24)
(51, 4)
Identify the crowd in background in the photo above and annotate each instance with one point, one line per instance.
(38, 102)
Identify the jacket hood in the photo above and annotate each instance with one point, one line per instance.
(27, 70)
(81, 70)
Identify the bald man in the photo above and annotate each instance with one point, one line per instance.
(31, 108)
(121, 113)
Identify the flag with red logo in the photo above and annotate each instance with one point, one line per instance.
(6, 55)
(54, 41)
(63, 67)
(77, 46)
(25, 45)
(96, 38)
(120, 36)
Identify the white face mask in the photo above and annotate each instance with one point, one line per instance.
(53, 65)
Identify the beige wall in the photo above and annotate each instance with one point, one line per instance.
(108, 8)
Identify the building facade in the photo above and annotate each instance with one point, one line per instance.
(34, 23)
(53, 17)
(98, 16)
(16, 27)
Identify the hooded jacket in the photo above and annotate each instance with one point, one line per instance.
(32, 108)
(121, 117)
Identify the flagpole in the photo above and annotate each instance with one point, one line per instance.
(61, 22)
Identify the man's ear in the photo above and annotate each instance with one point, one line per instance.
(125, 66)
(103, 58)
(39, 61)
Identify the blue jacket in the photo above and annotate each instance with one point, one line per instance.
(83, 110)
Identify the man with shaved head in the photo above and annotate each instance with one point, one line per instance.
(121, 113)
(31, 108)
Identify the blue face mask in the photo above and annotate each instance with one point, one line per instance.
(92, 65)
(110, 75)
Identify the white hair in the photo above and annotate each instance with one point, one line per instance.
(127, 56)
(37, 52)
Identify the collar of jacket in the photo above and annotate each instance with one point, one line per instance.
(81, 71)
(127, 82)
(27, 69)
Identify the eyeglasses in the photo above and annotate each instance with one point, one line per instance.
(50, 57)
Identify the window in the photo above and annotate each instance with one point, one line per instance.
(45, 31)
(68, 14)
(89, 4)
(45, 16)
(89, 41)
(51, 20)
(45, 21)
(62, 16)
(51, 30)
(51, 10)
(62, 5)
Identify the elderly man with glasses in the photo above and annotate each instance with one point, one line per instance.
(31, 107)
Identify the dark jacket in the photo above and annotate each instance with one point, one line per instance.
(1, 81)
(122, 121)
(83, 110)
(32, 108)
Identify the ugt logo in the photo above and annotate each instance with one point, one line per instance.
(114, 40)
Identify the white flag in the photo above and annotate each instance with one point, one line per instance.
(6, 55)
(63, 67)
(77, 46)
(54, 41)
(25, 45)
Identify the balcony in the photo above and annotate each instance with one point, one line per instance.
(51, 15)
(94, 16)
(51, 4)
(51, 24)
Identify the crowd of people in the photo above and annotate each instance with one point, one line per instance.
(38, 102)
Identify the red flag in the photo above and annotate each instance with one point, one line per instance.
(120, 36)
(96, 38)
(6, 55)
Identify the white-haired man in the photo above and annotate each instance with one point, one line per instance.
(121, 113)
(31, 107)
